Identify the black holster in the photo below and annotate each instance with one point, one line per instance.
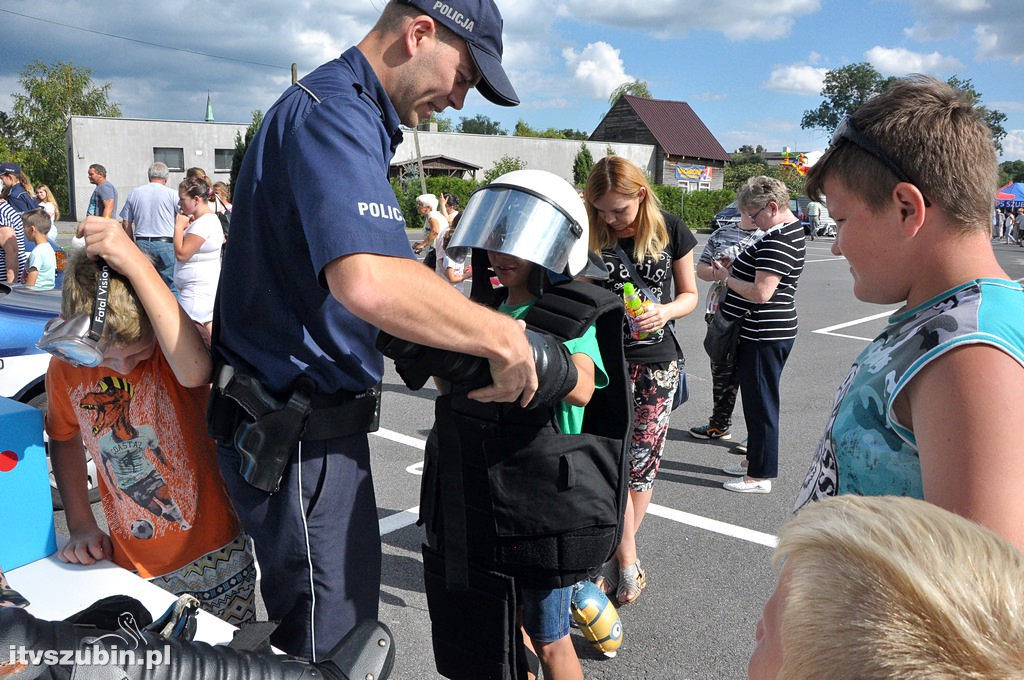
(266, 430)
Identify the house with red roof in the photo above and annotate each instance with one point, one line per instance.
(687, 154)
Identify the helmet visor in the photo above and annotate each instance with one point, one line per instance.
(518, 223)
(70, 340)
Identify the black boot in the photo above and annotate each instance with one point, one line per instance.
(54, 649)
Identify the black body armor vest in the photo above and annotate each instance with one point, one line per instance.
(505, 491)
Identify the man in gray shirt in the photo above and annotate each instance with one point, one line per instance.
(148, 215)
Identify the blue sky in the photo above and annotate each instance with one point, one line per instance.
(749, 68)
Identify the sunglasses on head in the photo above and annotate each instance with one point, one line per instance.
(848, 131)
(79, 340)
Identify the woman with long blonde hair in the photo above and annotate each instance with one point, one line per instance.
(48, 202)
(630, 231)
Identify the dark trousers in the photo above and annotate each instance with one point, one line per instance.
(725, 383)
(317, 542)
(760, 367)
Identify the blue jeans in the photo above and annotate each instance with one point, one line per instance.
(760, 367)
(546, 613)
(162, 255)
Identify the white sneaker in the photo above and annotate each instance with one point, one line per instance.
(743, 486)
(738, 469)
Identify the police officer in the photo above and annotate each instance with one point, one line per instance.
(319, 260)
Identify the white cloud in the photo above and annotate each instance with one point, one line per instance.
(735, 19)
(962, 6)
(925, 32)
(993, 24)
(900, 61)
(598, 69)
(711, 97)
(1013, 145)
(797, 79)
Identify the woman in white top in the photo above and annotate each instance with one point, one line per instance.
(46, 201)
(197, 247)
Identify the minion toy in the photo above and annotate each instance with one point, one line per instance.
(596, 617)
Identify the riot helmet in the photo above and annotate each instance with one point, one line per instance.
(534, 215)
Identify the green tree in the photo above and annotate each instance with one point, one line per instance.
(844, 89)
(738, 173)
(793, 179)
(52, 94)
(581, 166)
(444, 124)
(749, 154)
(242, 144)
(506, 163)
(523, 129)
(637, 88)
(1011, 171)
(993, 118)
(480, 125)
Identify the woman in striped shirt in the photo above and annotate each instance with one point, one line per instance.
(761, 286)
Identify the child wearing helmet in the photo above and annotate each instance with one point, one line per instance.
(545, 611)
(515, 502)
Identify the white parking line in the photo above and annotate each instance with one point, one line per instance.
(399, 520)
(713, 525)
(830, 329)
(401, 438)
(402, 519)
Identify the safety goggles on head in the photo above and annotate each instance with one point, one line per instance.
(848, 131)
(79, 340)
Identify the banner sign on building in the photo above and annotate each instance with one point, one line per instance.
(694, 173)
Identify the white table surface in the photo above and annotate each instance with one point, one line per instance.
(56, 590)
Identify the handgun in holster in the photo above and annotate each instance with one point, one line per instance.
(268, 433)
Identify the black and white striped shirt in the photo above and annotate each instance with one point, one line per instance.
(780, 251)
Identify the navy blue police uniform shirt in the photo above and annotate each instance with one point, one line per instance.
(21, 199)
(313, 187)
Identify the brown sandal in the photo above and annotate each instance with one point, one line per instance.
(632, 579)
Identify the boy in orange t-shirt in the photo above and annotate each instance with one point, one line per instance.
(141, 415)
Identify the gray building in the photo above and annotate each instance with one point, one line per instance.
(126, 147)
(666, 139)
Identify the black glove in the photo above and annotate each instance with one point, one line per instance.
(415, 363)
(556, 373)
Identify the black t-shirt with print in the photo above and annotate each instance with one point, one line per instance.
(657, 275)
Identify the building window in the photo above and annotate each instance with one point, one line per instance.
(222, 159)
(173, 157)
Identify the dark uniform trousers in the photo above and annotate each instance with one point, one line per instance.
(317, 542)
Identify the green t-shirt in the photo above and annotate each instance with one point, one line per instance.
(569, 417)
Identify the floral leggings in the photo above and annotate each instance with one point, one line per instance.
(653, 388)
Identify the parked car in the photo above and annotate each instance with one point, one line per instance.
(730, 214)
(23, 313)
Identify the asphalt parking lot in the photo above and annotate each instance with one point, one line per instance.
(706, 551)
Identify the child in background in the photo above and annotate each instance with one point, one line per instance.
(140, 409)
(41, 270)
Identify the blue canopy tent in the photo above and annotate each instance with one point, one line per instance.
(1011, 196)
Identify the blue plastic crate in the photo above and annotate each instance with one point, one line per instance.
(26, 506)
